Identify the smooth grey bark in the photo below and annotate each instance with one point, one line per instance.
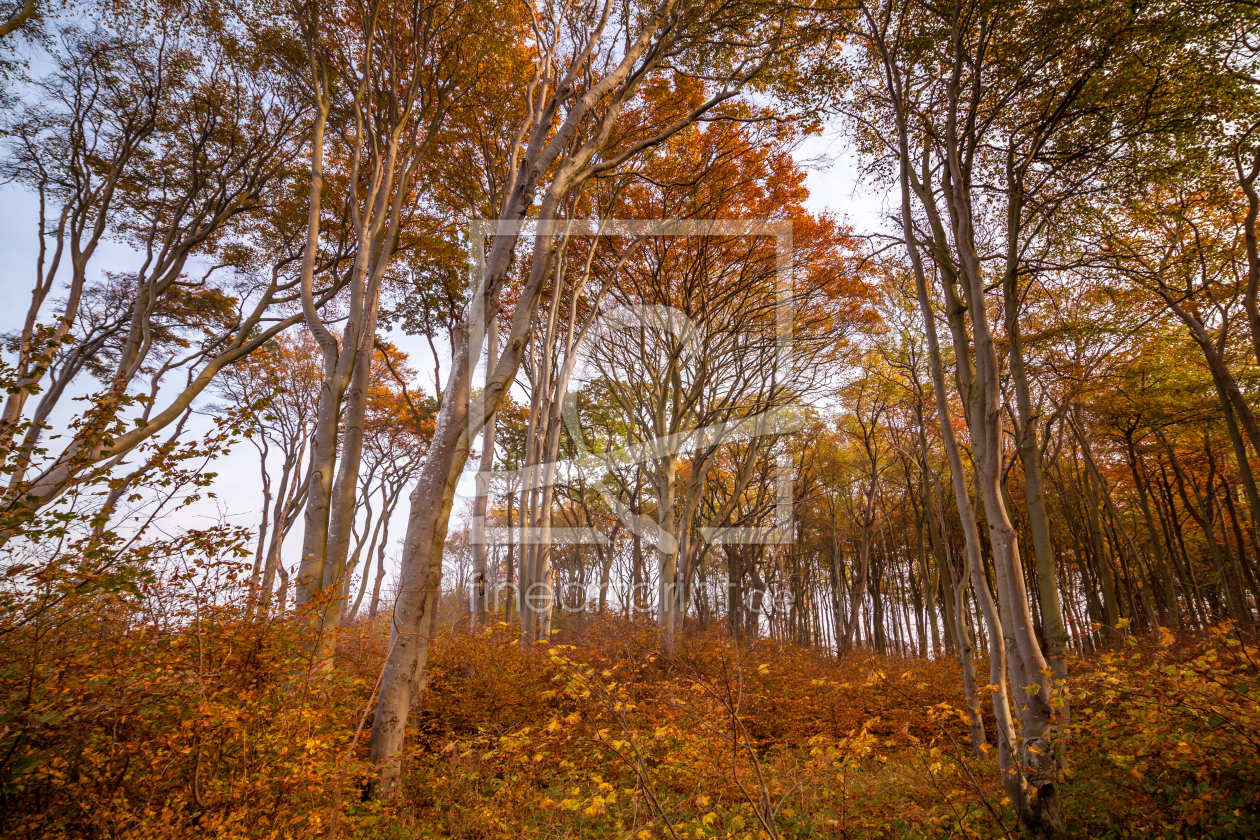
(550, 146)
(480, 581)
(1037, 803)
(955, 608)
(978, 386)
(396, 102)
(962, 498)
(983, 595)
(1030, 454)
(323, 436)
(434, 492)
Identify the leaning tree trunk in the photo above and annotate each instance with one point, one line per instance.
(433, 496)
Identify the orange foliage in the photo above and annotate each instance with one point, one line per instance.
(197, 721)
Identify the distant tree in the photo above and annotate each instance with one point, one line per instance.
(276, 387)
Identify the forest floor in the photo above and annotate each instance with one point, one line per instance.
(219, 728)
(608, 737)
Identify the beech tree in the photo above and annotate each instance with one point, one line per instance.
(386, 76)
(156, 135)
(1014, 427)
(575, 129)
(277, 387)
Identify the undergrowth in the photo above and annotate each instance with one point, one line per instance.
(121, 725)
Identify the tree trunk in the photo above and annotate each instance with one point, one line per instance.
(1034, 487)
(479, 576)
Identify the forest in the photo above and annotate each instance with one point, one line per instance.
(657, 419)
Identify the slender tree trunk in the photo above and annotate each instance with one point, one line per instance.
(1110, 604)
(479, 581)
(1167, 590)
(861, 571)
(1034, 790)
(667, 550)
(434, 493)
(358, 346)
(323, 438)
(374, 607)
(1051, 611)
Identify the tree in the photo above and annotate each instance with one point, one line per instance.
(575, 130)
(158, 136)
(281, 417)
(387, 75)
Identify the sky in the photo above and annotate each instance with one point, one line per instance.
(832, 178)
